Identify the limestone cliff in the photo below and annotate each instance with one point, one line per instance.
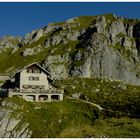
(99, 46)
(11, 121)
(105, 46)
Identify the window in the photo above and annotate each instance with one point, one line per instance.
(29, 86)
(34, 71)
(39, 71)
(29, 70)
(36, 78)
(25, 86)
(33, 87)
(31, 78)
(42, 87)
(37, 86)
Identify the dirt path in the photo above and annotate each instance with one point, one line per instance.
(96, 105)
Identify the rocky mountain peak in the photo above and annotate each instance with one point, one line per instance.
(86, 46)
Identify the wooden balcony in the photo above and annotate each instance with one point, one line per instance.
(37, 91)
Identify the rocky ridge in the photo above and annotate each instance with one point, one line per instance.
(104, 46)
(99, 46)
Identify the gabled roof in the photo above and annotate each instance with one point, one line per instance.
(31, 65)
(37, 66)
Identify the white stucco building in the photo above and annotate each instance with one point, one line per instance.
(33, 84)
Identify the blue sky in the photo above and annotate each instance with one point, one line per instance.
(19, 18)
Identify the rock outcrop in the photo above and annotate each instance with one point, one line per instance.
(56, 65)
(31, 51)
(9, 42)
(110, 51)
(101, 46)
(10, 121)
(32, 37)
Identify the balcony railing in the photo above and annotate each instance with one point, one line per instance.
(49, 91)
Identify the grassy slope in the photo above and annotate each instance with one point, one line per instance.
(72, 118)
(113, 96)
(49, 119)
